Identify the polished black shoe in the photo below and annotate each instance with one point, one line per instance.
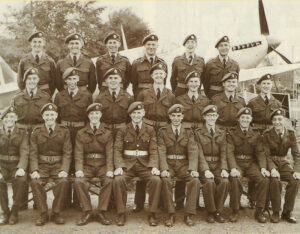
(85, 219)
(275, 217)
(103, 219)
(219, 217)
(4, 218)
(44, 218)
(288, 217)
(13, 219)
(58, 219)
(138, 209)
(210, 218)
(121, 220)
(259, 216)
(234, 216)
(188, 220)
(170, 221)
(152, 220)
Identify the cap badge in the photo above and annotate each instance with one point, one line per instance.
(214, 109)
(97, 107)
(225, 38)
(40, 34)
(278, 112)
(115, 71)
(196, 74)
(76, 37)
(160, 65)
(114, 36)
(50, 107)
(32, 71)
(11, 108)
(192, 37)
(268, 76)
(139, 107)
(177, 109)
(246, 111)
(152, 37)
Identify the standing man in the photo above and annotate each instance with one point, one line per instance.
(112, 59)
(135, 154)
(85, 66)
(184, 64)
(277, 142)
(216, 68)
(178, 156)
(247, 158)
(14, 151)
(50, 157)
(94, 158)
(140, 73)
(213, 164)
(38, 59)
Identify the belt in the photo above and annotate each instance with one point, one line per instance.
(9, 157)
(50, 159)
(191, 124)
(44, 86)
(261, 126)
(72, 123)
(177, 157)
(181, 85)
(115, 126)
(279, 158)
(212, 158)
(105, 85)
(145, 85)
(216, 88)
(155, 123)
(243, 157)
(137, 153)
(82, 87)
(90, 156)
(20, 125)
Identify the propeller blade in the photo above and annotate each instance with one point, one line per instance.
(264, 29)
(281, 55)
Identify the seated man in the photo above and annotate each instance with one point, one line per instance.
(178, 156)
(277, 142)
(14, 150)
(135, 154)
(50, 157)
(247, 157)
(94, 158)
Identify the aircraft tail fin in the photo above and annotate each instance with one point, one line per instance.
(124, 38)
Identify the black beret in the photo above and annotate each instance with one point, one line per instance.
(150, 37)
(34, 35)
(244, 111)
(210, 109)
(230, 75)
(264, 77)
(30, 71)
(159, 66)
(193, 74)
(113, 36)
(94, 107)
(176, 108)
(223, 39)
(190, 37)
(112, 71)
(7, 110)
(278, 111)
(49, 107)
(135, 106)
(70, 71)
(73, 36)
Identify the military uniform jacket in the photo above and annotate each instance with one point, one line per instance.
(86, 69)
(192, 111)
(58, 144)
(140, 72)
(214, 71)
(211, 146)
(275, 146)
(127, 139)
(46, 68)
(114, 112)
(156, 110)
(260, 111)
(73, 109)
(227, 110)
(184, 145)
(104, 63)
(29, 110)
(249, 145)
(15, 145)
(181, 68)
(89, 143)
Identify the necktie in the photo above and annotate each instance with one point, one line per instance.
(245, 132)
(211, 132)
(37, 59)
(280, 135)
(230, 98)
(176, 133)
(94, 129)
(113, 58)
(266, 100)
(224, 62)
(50, 131)
(190, 59)
(193, 99)
(31, 94)
(74, 60)
(114, 95)
(137, 129)
(8, 133)
(71, 94)
(151, 61)
(158, 94)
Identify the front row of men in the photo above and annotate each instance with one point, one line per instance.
(207, 154)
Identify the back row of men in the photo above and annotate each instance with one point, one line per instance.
(191, 146)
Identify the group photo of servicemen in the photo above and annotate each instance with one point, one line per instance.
(74, 121)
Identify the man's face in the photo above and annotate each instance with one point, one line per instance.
(71, 82)
(224, 48)
(32, 81)
(211, 118)
(50, 117)
(193, 84)
(176, 118)
(158, 76)
(113, 81)
(278, 122)
(75, 46)
(230, 85)
(10, 120)
(245, 120)
(113, 45)
(190, 46)
(37, 44)
(94, 117)
(137, 116)
(151, 47)
(266, 86)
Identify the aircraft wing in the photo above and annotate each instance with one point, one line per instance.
(254, 73)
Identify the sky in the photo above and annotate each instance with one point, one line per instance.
(210, 20)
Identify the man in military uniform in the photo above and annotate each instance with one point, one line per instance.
(85, 66)
(140, 72)
(184, 64)
(38, 59)
(277, 142)
(178, 156)
(14, 150)
(112, 59)
(246, 157)
(213, 167)
(216, 68)
(50, 157)
(135, 154)
(193, 101)
(229, 102)
(94, 158)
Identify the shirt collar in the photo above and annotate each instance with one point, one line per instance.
(6, 129)
(48, 127)
(280, 132)
(148, 57)
(208, 128)
(174, 128)
(75, 91)
(221, 58)
(191, 94)
(188, 55)
(160, 87)
(77, 56)
(116, 90)
(247, 129)
(140, 124)
(34, 91)
(97, 125)
(263, 96)
(115, 54)
(40, 54)
(228, 95)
